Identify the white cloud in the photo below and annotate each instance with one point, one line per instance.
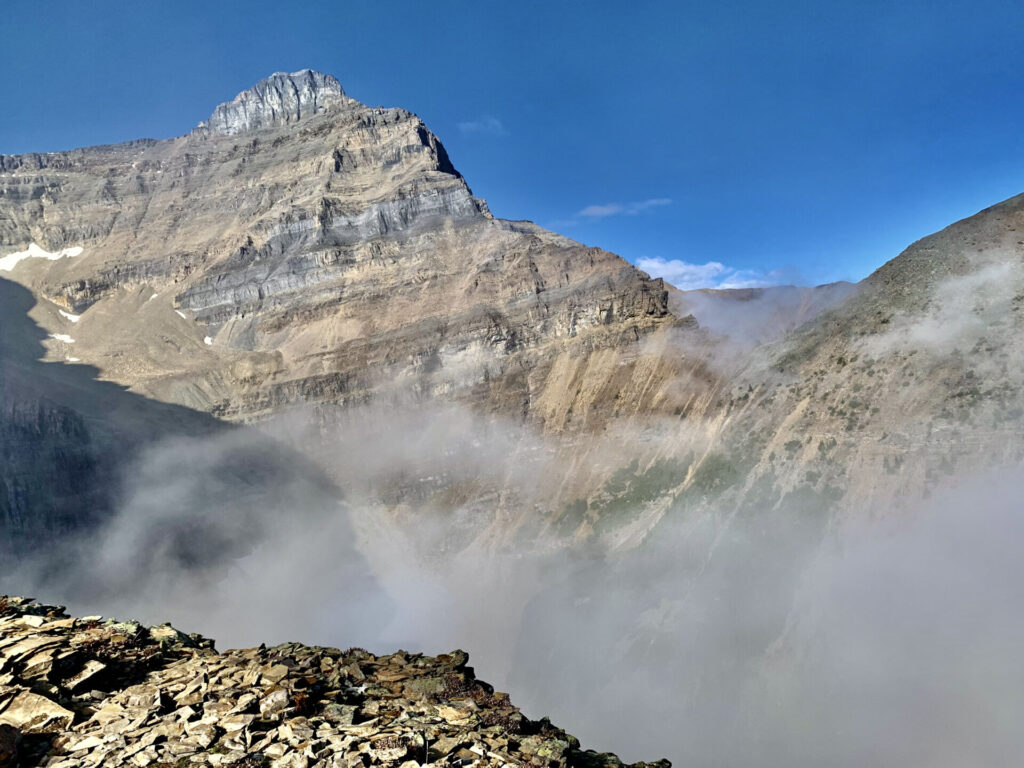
(713, 274)
(749, 278)
(643, 205)
(600, 211)
(485, 124)
(626, 209)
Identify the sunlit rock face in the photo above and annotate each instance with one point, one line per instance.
(281, 98)
(329, 251)
(98, 693)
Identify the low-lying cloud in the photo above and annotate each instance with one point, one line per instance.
(751, 632)
(765, 638)
(713, 274)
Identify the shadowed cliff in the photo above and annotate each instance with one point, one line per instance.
(106, 495)
(65, 433)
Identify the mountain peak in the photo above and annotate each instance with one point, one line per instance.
(284, 97)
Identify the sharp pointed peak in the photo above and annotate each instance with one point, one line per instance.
(283, 97)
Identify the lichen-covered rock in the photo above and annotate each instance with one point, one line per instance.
(164, 698)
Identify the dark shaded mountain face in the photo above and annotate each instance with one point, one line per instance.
(107, 493)
(65, 433)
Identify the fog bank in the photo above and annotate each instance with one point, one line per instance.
(771, 638)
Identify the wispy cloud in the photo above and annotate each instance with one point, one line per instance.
(713, 274)
(485, 124)
(622, 209)
(605, 210)
(600, 211)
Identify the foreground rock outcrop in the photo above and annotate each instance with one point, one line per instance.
(83, 692)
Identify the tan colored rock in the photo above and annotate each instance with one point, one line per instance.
(88, 671)
(127, 724)
(274, 702)
(32, 713)
(275, 673)
(232, 723)
(146, 697)
(202, 735)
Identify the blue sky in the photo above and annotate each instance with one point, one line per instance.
(719, 143)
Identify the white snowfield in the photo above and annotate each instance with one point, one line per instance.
(180, 314)
(73, 360)
(8, 262)
(208, 341)
(69, 316)
(62, 337)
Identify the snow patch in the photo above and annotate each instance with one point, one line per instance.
(180, 314)
(8, 262)
(72, 359)
(152, 297)
(62, 337)
(208, 341)
(69, 316)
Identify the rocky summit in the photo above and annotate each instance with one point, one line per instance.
(281, 98)
(87, 692)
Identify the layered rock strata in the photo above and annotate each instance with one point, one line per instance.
(301, 247)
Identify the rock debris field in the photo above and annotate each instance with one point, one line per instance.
(87, 692)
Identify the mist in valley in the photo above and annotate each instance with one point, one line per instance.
(725, 634)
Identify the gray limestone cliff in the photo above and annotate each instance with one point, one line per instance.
(281, 98)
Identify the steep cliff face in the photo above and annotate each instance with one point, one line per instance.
(65, 436)
(301, 247)
(281, 98)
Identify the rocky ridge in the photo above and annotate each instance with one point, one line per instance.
(281, 98)
(84, 692)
